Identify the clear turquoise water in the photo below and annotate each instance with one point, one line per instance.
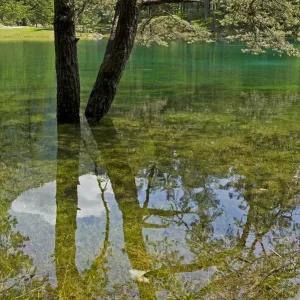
(193, 177)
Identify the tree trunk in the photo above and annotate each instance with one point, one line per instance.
(24, 22)
(117, 53)
(206, 8)
(67, 74)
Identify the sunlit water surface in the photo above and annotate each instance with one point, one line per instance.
(193, 177)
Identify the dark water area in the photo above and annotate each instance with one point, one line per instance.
(187, 189)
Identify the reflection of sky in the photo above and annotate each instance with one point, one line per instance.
(231, 207)
(38, 202)
(229, 203)
(35, 211)
(41, 201)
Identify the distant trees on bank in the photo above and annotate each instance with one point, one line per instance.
(26, 12)
(97, 15)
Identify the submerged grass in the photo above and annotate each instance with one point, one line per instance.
(250, 142)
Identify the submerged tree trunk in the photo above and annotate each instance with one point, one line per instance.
(117, 53)
(67, 74)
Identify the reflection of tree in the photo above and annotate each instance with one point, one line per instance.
(68, 277)
(251, 261)
(70, 282)
(244, 271)
(261, 105)
(123, 183)
(230, 255)
(134, 217)
(91, 282)
(122, 178)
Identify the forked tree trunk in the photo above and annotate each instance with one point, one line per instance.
(67, 74)
(117, 53)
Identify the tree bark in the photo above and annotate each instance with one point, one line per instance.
(116, 56)
(206, 8)
(67, 73)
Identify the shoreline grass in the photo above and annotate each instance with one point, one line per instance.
(36, 34)
(26, 33)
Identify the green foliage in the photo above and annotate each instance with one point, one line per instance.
(13, 12)
(95, 16)
(164, 29)
(26, 12)
(40, 12)
(259, 24)
(262, 24)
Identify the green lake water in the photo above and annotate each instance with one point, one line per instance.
(193, 177)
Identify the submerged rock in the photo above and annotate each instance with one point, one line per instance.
(139, 275)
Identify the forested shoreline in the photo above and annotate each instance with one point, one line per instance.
(258, 24)
(96, 16)
(92, 14)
